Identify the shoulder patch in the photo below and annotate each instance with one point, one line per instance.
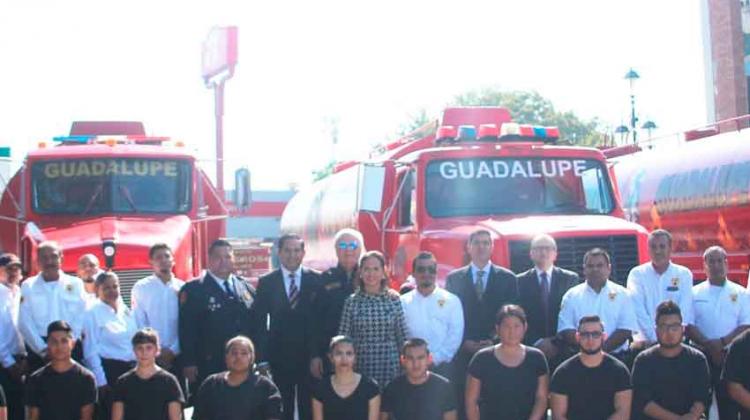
(334, 285)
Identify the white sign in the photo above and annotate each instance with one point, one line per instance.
(476, 169)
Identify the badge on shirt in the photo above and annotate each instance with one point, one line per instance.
(675, 283)
(212, 305)
(612, 296)
(441, 302)
(69, 288)
(331, 286)
(733, 297)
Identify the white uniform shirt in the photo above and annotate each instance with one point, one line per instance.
(108, 334)
(438, 319)
(10, 339)
(156, 305)
(719, 310)
(44, 302)
(612, 304)
(648, 289)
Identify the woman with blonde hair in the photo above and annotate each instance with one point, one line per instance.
(374, 319)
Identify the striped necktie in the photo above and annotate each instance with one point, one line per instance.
(293, 291)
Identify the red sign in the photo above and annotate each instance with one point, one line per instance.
(219, 52)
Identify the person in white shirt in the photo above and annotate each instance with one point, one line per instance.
(433, 314)
(155, 301)
(599, 296)
(655, 282)
(50, 296)
(108, 329)
(722, 312)
(12, 362)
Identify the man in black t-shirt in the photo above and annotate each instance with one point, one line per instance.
(148, 391)
(670, 379)
(591, 385)
(63, 389)
(418, 394)
(736, 373)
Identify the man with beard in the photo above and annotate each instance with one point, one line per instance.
(433, 314)
(591, 385)
(601, 297)
(88, 270)
(50, 296)
(670, 380)
(337, 284)
(155, 303)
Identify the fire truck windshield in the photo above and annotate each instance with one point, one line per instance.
(111, 186)
(487, 186)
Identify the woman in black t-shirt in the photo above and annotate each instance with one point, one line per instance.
(345, 395)
(238, 394)
(509, 380)
(3, 405)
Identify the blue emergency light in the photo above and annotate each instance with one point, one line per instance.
(73, 139)
(467, 133)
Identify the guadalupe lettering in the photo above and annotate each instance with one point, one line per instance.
(97, 168)
(506, 168)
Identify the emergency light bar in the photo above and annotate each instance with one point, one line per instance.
(491, 133)
(111, 140)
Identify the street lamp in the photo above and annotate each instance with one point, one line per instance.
(649, 126)
(623, 131)
(632, 76)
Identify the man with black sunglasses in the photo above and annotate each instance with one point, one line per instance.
(433, 314)
(337, 284)
(591, 385)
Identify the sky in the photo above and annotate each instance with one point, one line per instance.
(370, 66)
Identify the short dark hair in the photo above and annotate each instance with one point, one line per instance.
(596, 252)
(413, 343)
(288, 237)
(157, 247)
(668, 307)
(507, 311)
(104, 276)
(590, 319)
(660, 233)
(218, 243)
(423, 255)
(146, 335)
(60, 325)
(478, 232)
(339, 339)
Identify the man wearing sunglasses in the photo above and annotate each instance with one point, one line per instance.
(591, 385)
(337, 285)
(670, 380)
(433, 314)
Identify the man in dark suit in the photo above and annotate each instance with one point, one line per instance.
(540, 292)
(483, 288)
(285, 307)
(213, 309)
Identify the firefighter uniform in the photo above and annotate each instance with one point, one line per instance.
(212, 312)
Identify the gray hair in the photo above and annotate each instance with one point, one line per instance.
(712, 249)
(351, 232)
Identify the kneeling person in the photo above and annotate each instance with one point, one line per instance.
(418, 394)
(62, 389)
(670, 379)
(148, 391)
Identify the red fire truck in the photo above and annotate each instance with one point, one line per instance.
(474, 169)
(697, 186)
(110, 190)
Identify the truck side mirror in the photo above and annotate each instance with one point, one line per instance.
(243, 197)
(370, 188)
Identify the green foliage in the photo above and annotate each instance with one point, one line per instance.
(323, 172)
(529, 107)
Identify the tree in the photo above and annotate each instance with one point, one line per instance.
(529, 107)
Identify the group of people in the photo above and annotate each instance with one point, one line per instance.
(341, 344)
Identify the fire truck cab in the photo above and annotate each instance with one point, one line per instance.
(110, 190)
(473, 169)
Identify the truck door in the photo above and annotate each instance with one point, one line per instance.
(402, 236)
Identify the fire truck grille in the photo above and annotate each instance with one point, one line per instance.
(622, 249)
(128, 279)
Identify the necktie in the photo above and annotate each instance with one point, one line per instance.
(228, 289)
(545, 298)
(293, 291)
(479, 284)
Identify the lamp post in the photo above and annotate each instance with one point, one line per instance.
(649, 126)
(631, 77)
(623, 131)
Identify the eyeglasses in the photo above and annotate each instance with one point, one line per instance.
(669, 327)
(424, 269)
(348, 245)
(593, 335)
